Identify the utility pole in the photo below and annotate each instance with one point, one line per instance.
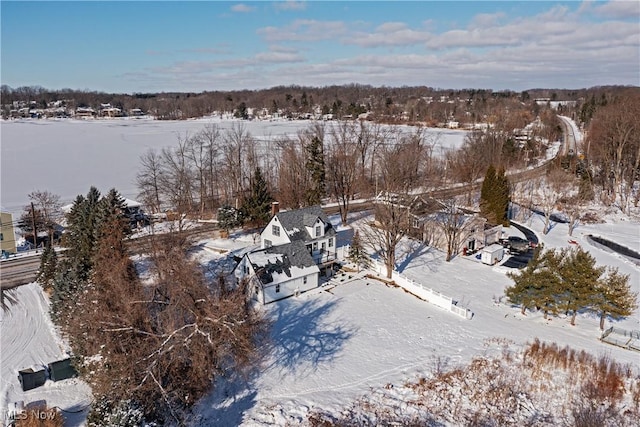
(35, 232)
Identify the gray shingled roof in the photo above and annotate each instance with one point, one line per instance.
(293, 254)
(295, 221)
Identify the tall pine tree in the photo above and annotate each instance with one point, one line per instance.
(257, 206)
(614, 297)
(495, 196)
(315, 167)
(579, 280)
(486, 195)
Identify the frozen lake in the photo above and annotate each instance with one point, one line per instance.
(68, 156)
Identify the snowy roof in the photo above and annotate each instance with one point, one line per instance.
(296, 221)
(281, 263)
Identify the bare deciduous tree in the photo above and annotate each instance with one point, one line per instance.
(342, 162)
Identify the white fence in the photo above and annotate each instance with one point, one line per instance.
(424, 292)
(622, 338)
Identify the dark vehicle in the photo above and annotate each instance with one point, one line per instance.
(516, 244)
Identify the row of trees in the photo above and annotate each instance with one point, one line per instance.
(569, 281)
(409, 104)
(612, 149)
(149, 349)
(214, 168)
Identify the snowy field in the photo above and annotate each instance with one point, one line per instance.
(333, 345)
(28, 340)
(67, 156)
(336, 344)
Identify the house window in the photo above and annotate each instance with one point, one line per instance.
(315, 246)
(1, 237)
(318, 228)
(304, 280)
(330, 243)
(275, 230)
(267, 243)
(277, 288)
(324, 246)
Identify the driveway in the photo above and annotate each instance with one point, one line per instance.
(521, 260)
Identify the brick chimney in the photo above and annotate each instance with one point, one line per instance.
(275, 208)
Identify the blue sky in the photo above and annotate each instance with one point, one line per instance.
(150, 46)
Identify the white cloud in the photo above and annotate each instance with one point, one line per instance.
(242, 8)
(290, 5)
(618, 9)
(278, 57)
(486, 20)
(558, 48)
(304, 30)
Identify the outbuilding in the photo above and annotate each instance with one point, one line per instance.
(492, 254)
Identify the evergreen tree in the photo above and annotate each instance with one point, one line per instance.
(257, 207)
(579, 280)
(537, 284)
(501, 198)
(112, 205)
(228, 217)
(524, 291)
(81, 232)
(357, 254)
(614, 297)
(487, 195)
(242, 112)
(48, 264)
(315, 167)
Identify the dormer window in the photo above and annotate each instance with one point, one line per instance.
(275, 230)
(318, 231)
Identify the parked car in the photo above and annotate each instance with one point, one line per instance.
(516, 244)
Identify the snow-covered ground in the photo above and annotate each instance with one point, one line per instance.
(333, 345)
(67, 156)
(28, 340)
(329, 346)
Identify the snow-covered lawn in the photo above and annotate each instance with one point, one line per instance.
(28, 339)
(335, 344)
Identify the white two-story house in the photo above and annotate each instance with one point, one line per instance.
(296, 248)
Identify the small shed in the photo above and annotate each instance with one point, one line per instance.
(492, 254)
(61, 370)
(30, 379)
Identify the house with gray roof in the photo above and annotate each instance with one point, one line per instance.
(297, 247)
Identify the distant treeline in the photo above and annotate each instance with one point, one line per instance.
(418, 104)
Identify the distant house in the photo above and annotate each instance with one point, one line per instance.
(427, 216)
(296, 248)
(7, 234)
(136, 112)
(85, 112)
(111, 112)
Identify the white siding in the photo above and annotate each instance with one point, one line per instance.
(267, 234)
(289, 288)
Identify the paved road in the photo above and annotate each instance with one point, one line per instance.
(570, 145)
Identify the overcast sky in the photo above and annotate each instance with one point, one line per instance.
(195, 46)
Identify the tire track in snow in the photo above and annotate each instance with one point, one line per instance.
(26, 338)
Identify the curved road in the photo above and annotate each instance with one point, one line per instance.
(570, 145)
